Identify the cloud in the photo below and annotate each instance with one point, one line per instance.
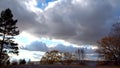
(75, 21)
(79, 21)
(64, 48)
(36, 46)
(40, 46)
(26, 54)
(70, 48)
(24, 11)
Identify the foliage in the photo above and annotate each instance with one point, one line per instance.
(8, 62)
(67, 58)
(51, 57)
(14, 62)
(22, 61)
(56, 57)
(109, 46)
(7, 33)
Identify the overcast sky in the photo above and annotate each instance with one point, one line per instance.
(75, 22)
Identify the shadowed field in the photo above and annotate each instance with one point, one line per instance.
(58, 66)
(88, 64)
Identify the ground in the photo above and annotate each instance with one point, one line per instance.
(88, 64)
(58, 66)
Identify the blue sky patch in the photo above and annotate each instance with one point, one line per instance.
(43, 3)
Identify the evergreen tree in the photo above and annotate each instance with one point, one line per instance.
(7, 33)
(22, 61)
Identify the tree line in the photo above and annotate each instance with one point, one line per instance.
(56, 57)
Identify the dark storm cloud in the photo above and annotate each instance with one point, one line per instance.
(85, 21)
(76, 21)
(23, 13)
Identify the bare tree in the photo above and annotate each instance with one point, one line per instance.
(80, 54)
(109, 46)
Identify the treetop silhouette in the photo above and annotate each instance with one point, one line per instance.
(8, 30)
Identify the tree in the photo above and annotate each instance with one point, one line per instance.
(109, 46)
(29, 61)
(8, 30)
(51, 57)
(67, 58)
(22, 61)
(81, 54)
(8, 62)
(56, 56)
(115, 31)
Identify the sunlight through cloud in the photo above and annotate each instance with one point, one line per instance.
(25, 38)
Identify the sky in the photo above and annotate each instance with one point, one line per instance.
(61, 24)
